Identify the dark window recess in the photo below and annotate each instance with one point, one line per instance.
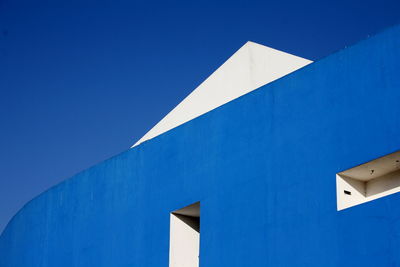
(347, 192)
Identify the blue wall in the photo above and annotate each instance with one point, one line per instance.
(263, 167)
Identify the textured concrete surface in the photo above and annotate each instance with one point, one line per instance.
(263, 167)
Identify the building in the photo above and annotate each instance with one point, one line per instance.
(302, 171)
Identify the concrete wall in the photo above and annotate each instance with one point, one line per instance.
(264, 168)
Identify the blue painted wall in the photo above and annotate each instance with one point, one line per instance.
(263, 167)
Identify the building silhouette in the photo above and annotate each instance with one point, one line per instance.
(272, 161)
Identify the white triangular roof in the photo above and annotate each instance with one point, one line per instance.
(251, 67)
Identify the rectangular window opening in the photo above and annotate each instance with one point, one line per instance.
(184, 248)
(347, 192)
(369, 181)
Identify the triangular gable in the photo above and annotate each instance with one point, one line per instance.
(251, 67)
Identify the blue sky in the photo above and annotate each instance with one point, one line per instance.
(82, 81)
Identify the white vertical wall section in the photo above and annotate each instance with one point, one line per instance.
(184, 241)
(252, 66)
(356, 192)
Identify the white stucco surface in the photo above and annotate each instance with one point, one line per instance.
(252, 66)
(184, 243)
(184, 250)
(369, 181)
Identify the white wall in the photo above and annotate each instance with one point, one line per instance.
(252, 66)
(184, 248)
(369, 181)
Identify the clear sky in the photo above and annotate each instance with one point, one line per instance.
(82, 81)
